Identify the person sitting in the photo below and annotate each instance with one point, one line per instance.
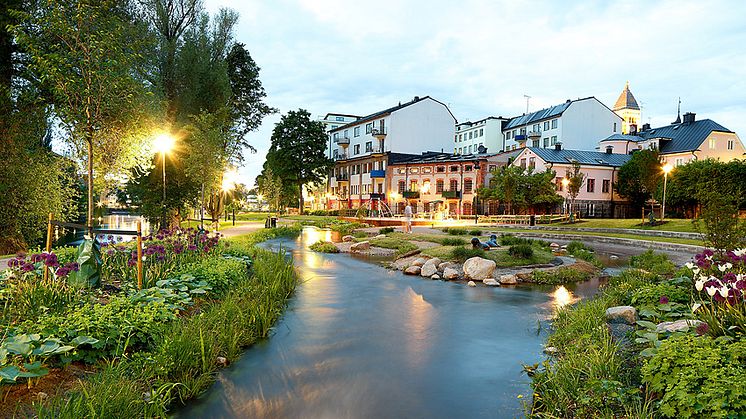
(492, 242)
(477, 244)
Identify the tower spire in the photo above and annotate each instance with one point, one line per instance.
(678, 113)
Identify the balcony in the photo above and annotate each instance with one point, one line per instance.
(340, 157)
(377, 173)
(534, 134)
(520, 137)
(343, 177)
(379, 133)
(342, 140)
(451, 194)
(411, 194)
(377, 196)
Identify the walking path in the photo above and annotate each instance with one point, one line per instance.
(244, 228)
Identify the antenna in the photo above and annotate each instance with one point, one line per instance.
(527, 99)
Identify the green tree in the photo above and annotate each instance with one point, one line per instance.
(270, 185)
(576, 179)
(719, 222)
(639, 178)
(541, 192)
(297, 153)
(686, 184)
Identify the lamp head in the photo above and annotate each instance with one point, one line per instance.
(667, 168)
(164, 143)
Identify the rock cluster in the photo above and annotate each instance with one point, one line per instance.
(360, 247)
(479, 268)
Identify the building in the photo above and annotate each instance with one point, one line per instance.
(596, 197)
(487, 132)
(576, 124)
(365, 147)
(441, 185)
(627, 108)
(333, 121)
(681, 142)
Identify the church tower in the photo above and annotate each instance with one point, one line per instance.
(628, 109)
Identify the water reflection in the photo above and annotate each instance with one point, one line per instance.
(562, 297)
(418, 321)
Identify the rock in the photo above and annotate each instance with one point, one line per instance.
(360, 247)
(564, 247)
(450, 273)
(412, 270)
(436, 261)
(550, 350)
(419, 261)
(348, 238)
(613, 257)
(380, 236)
(435, 276)
(491, 282)
(621, 314)
(221, 361)
(479, 268)
(621, 333)
(429, 269)
(682, 325)
(443, 265)
(554, 245)
(471, 284)
(509, 279)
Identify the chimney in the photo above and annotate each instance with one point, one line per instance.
(633, 129)
(416, 98)
(645, 126)
(609, 149)
(689, 117)
(558, 146)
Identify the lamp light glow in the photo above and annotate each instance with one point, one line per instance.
(164, 143)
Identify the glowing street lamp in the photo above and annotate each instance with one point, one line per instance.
(565, 184)
(163, 144)
(666, 169)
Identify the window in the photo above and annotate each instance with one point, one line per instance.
(481, 132)
(679, 162)
(401, 186)
(470, 135)
(414, 170)
(558, 182)
(453, 185)
(546, 125)
(493, 167)
(508, 135)
(467, 168)
(531, 162)
(440, 169)
(439, 186)
(356, 132)
(426, 186)
(468, 185)
(535, 143)
(554, 123)
(523, 163)
(459, 137)
(614, 127)
(412, 185)
(514, 133)
(368, 128)
(536, 127)
(460, 150)
(546, 142)
(730, 144)
(606, 186)
(335, 135)
(712, 143)
(369, 146)
(357, 148)
(554, 139)
(590, 185)
(454, 169)
(335, 126)
(470, 149)
(427, 170)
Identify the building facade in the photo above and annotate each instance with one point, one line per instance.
(364, 148)
(333, 121)
(576, 124)
(487, 133)
(627, 108)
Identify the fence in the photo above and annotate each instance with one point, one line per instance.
(524, 219)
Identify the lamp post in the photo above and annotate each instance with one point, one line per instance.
(163, 144)
(666, 169)
(565, 184)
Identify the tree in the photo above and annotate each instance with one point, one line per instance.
(85, 52)
(639, 178)
(297, 153)
(688, 182)
(576, 179)
(270, 185)
(719, 222)
(521, 189)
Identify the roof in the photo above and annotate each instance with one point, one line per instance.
(626, 100)
(390, 110)
(586, 158)
(341, 114)
(499, 118)
(676, 138)
(550, 112)
(434, 157)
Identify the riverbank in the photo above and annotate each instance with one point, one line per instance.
(141, 352)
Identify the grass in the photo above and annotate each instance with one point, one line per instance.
(222, 225)
(324, 247)
(672, 224)
(401, 246)
(500, 256)
(433, 238)
(617, 235)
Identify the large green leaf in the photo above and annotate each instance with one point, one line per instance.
(9, 374)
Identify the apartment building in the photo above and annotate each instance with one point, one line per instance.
(333, 121)
(487, 133)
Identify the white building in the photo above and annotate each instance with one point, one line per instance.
(333, 121)
(577, 124)
(486, 133)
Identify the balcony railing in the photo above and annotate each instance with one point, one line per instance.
(411, 194)
(377, 196)
(520, 137)
(340, 157)
(342, 177)
(342, 140)
(533, 134)
(451, 194)
(379, 133)
(377, 173)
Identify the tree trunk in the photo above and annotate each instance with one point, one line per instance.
(89, 222)
(300, 200)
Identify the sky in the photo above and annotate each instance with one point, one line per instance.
(482, 57)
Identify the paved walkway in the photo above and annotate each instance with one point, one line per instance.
(243, 228)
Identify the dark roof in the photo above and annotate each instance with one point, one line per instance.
(676, 138)
(626, 100)
(546, 113)
(499, 118)
(342, 114)
(588, 158)
(390, 110)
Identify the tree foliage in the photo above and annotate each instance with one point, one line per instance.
(687, 184)
(522, 190)
(576, 179)
(639, 178)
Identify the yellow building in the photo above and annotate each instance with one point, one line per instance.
(627, 108)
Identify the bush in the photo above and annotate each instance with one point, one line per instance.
(452, 241)
(360, 234)
(698, 377)
(475, 232)
(656, 263)
(510, 240)
(324, 247)
(455, 231)
(386, 230)
(563, 275)
(580, 251)
(523, 251)
(219, 272)
(461, 254)
(653, 293)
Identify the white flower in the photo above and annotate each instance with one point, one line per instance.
(696, 271)
(708, 257)
(711, 291)
(725, 267)
(690, 265)
(740, 252)
(724, 292)
(696, 306)
(700, 284)
(144, 258)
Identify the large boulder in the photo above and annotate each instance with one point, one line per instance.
(435, 276)
(508, 279)
(412, 270)
(429, 268)
(419, 261)
(443, 265)
(479, 268)
(380, 236)
(621, 314)
(348, 238)
(450, 273)
(491, 282)
(360, 247)
(682, 325)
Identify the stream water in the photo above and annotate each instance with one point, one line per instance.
(358, 340)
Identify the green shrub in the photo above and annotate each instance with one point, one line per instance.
(27, 299)
(457, 232)
(523, 251)
(219, 272)
(652, 294)
(386, 230)
(359, 234)
(510, 240)
(475, 232)
(324, 247)
(401, 246)
(452, 241)
(461, 254)
(698, 377)
(563, 275)
(656, 263)
(576, 245)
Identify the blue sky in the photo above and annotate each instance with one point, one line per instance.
(481, 57)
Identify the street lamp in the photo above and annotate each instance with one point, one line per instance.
(163, 144)
(666, 169)
(565, 184)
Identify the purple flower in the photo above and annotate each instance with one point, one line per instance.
(192, 247)
(62, 272)
(702, 329)
(132, 262)
(663, 300)
(27, 267)
(110, 252)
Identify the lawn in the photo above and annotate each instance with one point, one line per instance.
(401, 246)
(500, 256)
(672, 224)
(617, 235)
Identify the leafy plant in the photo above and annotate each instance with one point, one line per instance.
(452, 241)
(386, 230)
(475, 232)
(656, 263)
(324, 247)
(562, 275)
(461, 254)
(523, 251)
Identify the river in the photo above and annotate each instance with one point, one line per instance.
(360, 341)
